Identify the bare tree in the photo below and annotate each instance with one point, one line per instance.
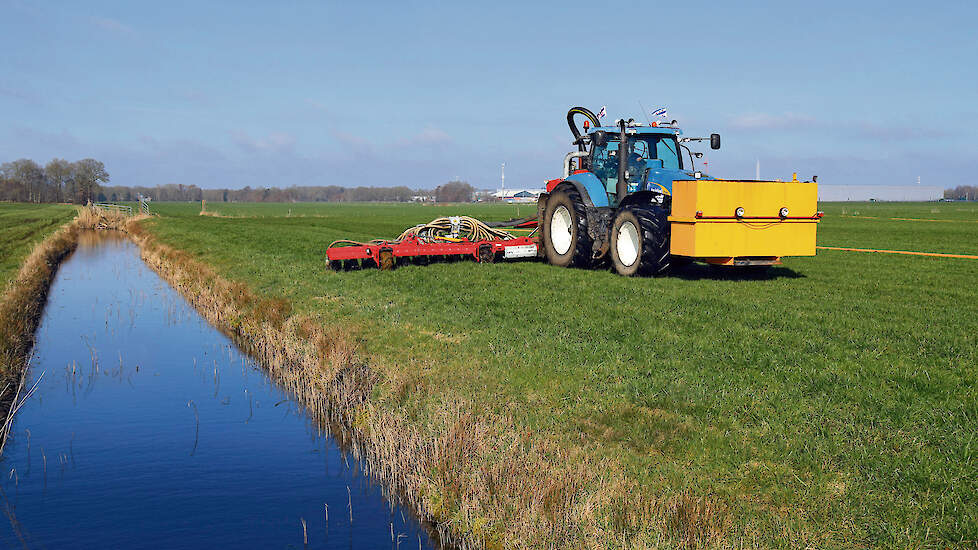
(24, 180)
(962, 192)
(59, 176)
(454, 191)
(88, 175)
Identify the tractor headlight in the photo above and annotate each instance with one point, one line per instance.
(739, 212)
(783, 212)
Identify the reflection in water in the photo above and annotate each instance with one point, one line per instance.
(149, 428)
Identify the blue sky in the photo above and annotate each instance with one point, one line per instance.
(402, 93)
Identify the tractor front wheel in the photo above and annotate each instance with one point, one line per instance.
(640, 241)
(565, 236)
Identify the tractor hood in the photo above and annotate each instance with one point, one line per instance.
(660, 179)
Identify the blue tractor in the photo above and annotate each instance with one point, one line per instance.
(614, 199)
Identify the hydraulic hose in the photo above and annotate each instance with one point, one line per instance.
(573, 125)
(443, 230)
(515, 222)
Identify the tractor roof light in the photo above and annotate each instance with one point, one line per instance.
(739, 212)
(783, 212)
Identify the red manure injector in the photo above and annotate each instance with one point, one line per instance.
(448, 238)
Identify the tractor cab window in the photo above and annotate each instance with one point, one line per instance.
(667, 150)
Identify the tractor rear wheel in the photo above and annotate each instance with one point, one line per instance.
(565, 236)
(640, 240)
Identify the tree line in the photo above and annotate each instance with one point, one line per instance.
(84, 181)
(450, 192)
(331, 193)
(58, 181)
(962, 192)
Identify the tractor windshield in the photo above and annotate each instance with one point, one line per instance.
(658, 147)
(643, 151)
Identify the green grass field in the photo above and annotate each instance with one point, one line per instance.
(832, 401)
(21, 227)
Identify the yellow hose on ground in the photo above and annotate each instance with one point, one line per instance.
(447, 229)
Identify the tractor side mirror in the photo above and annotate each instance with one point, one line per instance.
(714, 141)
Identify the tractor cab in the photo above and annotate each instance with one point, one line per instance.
(653, 158)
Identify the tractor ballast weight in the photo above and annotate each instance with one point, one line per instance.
(632, 199)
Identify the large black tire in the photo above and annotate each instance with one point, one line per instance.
(640, 240)
(573, 245)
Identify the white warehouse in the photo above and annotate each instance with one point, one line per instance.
(919, 193)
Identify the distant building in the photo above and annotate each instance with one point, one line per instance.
(896, 193)
(518, 195)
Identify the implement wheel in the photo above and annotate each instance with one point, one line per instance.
(486, 254)
(565, 237)
(387, 260)
(640, 240)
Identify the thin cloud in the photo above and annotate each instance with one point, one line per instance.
(427, 136)
(899, 132)
(862, 129)
(112, 25)
(767, 121)
(351, 141)
(16, 93)
(275, 142)
(317, 105)
(194, 97)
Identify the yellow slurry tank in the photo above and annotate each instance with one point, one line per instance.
(731, 222)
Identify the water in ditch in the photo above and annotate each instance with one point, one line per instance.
(148, 428)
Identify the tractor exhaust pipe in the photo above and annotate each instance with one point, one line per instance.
(569, 157)
(622, 188)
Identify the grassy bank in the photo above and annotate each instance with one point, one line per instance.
(21, 227)
(33, 240)
(832, 403)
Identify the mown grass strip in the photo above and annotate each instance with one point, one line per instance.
(910, 219)
(22, 226)
(907, 252)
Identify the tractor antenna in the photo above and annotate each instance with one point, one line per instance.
(645, 112)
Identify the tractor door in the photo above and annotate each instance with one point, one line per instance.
(604, 163)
